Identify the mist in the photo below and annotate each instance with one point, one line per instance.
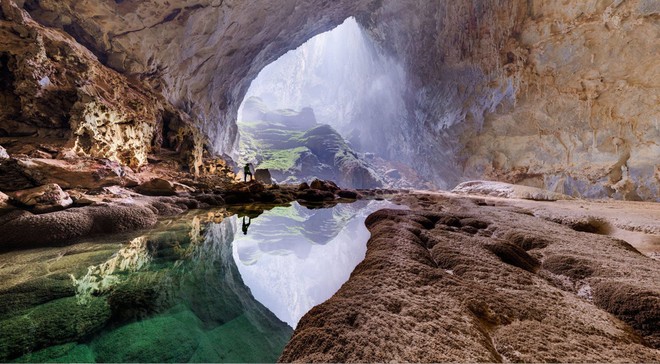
(347, 81)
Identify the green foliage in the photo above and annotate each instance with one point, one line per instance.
(282, 160)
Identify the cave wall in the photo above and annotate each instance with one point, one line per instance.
(585, 120)
(562, 95)
(53, 87)
(201, 54)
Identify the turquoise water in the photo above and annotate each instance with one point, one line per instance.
(205, 287)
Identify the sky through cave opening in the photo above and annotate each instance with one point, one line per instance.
(325, 110)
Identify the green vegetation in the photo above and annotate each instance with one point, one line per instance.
(271, 145)
(282, 160)
(282, 148)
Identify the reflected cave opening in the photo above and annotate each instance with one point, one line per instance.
(327, 110)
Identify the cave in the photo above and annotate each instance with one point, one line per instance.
(337, 82)
(329, 181)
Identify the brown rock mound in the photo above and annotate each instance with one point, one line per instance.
(28, 231)
(430, 290)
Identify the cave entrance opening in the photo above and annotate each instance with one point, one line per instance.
(324, 110)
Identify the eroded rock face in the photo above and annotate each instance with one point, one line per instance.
(225, 44)
(54, 86)
(585, 118)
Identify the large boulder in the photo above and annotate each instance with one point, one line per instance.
(42, 199)
(350, 194)
(4, 203)
(157, 187)
(324, 185)
(3, 153)
(23, 230)
(263, 176)
(69, 172)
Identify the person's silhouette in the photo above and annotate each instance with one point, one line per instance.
(246, 225)
(246, 172)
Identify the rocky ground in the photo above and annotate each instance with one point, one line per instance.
(58, 198)
(477, 276)
(482, 278)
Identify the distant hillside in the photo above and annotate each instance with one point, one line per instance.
(295, 148)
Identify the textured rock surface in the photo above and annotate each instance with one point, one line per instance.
(53, 86)
(501, 189)
(263, 176)
(454, 281)
(585, 122)
(46, 198)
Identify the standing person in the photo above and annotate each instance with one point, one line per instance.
(246, 171)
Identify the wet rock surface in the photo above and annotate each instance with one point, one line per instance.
(92, 201)
(263, 176)
(456, 279)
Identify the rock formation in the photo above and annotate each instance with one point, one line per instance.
(532, 92)
(582, 122)
(99, 97)
(460, 279)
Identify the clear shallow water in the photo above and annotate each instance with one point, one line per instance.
(194, 290)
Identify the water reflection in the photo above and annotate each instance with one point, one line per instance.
(196, 289)
(245, 225)
(295, 258)
(100, 278)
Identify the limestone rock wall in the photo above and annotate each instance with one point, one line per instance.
(585, 121)
(452, 55)
(201, 54)
(54, 86)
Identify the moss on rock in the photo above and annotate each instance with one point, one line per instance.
(56, 322)
(166, 338)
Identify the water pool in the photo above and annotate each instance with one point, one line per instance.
(211, 286)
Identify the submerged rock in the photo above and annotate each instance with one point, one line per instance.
(166, 338)
(56, 322)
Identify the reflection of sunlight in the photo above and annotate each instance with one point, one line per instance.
(100, 277)
(294, 258)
